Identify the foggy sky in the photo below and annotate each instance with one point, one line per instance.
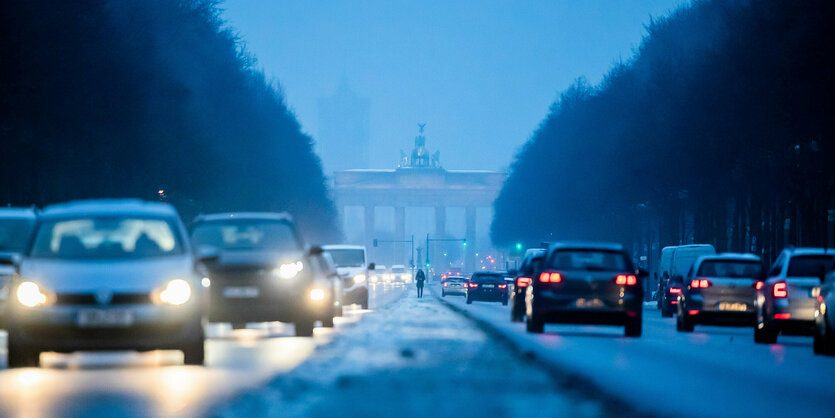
(482, 74)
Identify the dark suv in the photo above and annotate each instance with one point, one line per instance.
(587, 283)
(261, 271)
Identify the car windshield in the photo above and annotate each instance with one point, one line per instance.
(14, 234)
(348, 257)
(487, 277)
(246, 235)
(398, 269)
(592, 260)
(809, 265)
(730, 268)
(106, 237)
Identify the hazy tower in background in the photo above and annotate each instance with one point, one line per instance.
(344, 120)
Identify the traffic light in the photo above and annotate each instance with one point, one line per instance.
(465, 243)
(518, 246)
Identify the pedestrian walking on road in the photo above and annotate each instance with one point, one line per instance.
(419, 279)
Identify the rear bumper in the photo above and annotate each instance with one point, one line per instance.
(554, 307)
(728, 318)
(481, 295)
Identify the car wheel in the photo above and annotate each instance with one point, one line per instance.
(535, 324)
(824, 341)
(633, 327)
(364, 303)
(194, 354)
(469, 301)
(764, 334)
(304, 327)
(19, 355)
(338, 311)
(515, 316)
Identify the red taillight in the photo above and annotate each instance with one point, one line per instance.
(502, 286)
(673, 302)
(759, 285)
(550, 277)
(473, 285)
(626, 279)
(446, 284)
(782, 316)
(700, 283)
(675, 290)
(523, 281)
(780, 290)
(693, 312)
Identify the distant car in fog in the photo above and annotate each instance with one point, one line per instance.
(260, 271)
(720, 290)
(105, 275)
(586, 283)
(16, 226)
(785, 303)
(674, 264)
(353, 268)
(531, 263)
(400, 274)
(454, 285)
(488, 287)
(380, 275)
(824, 341)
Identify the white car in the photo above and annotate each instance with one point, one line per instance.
(400, 274)
(353, 268)
(105, 275)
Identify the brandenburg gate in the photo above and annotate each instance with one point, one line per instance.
(418, 181)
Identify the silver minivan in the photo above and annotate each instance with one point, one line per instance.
(105, 275)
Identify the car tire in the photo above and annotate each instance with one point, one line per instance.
(338, 311)
(19, 355)
(516, 316)
(194, 353)
(535, 324)
(764, 335)
(634, 326)
(683, 323)
(469, 301)
(824, 340)
(304, 327)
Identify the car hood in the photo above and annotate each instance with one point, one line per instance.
(129, 276)
(232, 259)
(350, 271)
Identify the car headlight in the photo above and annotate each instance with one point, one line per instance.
(359, 278)
(317, 294)
(175, 292)
(29, 294)
(289, 270)
(206, 282)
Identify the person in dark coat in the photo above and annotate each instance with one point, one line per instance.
(420, 278)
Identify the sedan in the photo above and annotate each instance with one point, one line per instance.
(489, 287)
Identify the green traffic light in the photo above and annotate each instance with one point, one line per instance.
(518, 245)
(465, 243)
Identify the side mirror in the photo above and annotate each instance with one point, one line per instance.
(315, 250)
(371, 266)
(642, 273)
(9, 259)
(207, 254)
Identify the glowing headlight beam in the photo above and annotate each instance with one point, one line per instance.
(176, 292)
(30, 295)
(359, 278)
(317, 294)
(289, 270)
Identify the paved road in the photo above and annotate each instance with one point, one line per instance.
(156, 383)
(715, 371)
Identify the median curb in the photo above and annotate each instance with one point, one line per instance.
(576, 384)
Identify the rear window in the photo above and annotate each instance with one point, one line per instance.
(809, 265)
(732, 269)
(456, 279)
(478, 278)
(592, 260)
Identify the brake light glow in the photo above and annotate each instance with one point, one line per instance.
(782, 316)
(693, 312)
(759, 285)
(523, 281)
(700, 283)
(550, 277)
(473, 285)
(780, 290)
(446, 284)
(673, 302)
(502, 286)
(675, 290)
(626, 279)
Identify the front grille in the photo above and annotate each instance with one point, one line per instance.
(90, 299)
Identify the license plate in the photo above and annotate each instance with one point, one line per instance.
(589, 303)
(105, 318)
(489, 286)
(240, 292)
(728, 306)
